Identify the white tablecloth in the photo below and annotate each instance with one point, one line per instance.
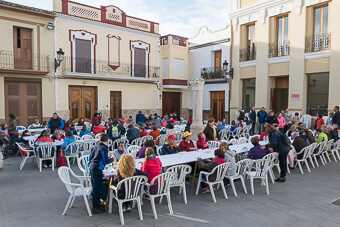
(36, 130)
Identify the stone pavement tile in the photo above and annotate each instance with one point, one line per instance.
(328, 223)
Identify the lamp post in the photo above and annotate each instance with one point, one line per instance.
(230, 73)
(59, 59)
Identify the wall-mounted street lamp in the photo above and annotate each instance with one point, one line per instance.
(225, 69)
(50, 26)
(59, 59)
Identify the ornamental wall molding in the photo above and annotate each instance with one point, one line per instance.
(314, 2)
(280, 9)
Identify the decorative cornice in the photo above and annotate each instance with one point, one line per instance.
(298, 6)
(314, 2)
(280, 9)
(248, 18)
(247, 64)
(175, 87)
(278, 59)
(319, 54)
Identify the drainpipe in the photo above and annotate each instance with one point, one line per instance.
(230, 67)
(55, 72)
(158, 88)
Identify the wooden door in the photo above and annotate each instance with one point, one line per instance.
(171, 102)
(22, 48)
(139, 60)
(82, 102)
(115, 104)
(23, 99)
(218, 60)
(83, 56)
(273, 99)
(217, 104)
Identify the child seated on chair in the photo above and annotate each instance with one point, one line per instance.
(202, 142)
(209, 166)
(152, 166)
(125, 169)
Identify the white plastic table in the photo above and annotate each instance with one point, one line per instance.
(35, 130)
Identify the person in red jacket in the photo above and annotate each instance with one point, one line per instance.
(45, 137)
(202, 142)
(152, 166)
(99, 129)
(142, 132)
(187, 144)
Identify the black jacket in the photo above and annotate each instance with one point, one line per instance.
(241, 116)
(276, 142)
(336, 118)
(272, 120)
(252, 116)
(209, 133)
(99, 156)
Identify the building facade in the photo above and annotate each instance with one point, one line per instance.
(207, 53)
(26, 63)
(110, 64)
(284, 55)
(174, 68)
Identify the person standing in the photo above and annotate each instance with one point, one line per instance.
(262, 115)
(252, 119)
(99, 158)
(271, 119)
(210, 131)
(12, 127)
(277, 143)
(289, 120)
(140, 118)
(336, 117)
(95, 119)
(54, 123)
(241, 114)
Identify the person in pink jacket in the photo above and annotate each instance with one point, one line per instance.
(282, 122)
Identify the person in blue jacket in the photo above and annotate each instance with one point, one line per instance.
(55, 122)
(98, 159)
(262, 115)
(69, 139)
(140, 118)
(84, 131)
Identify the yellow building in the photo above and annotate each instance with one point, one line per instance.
(174, 68)
(285, 54)
(110, 64)
(26, 63)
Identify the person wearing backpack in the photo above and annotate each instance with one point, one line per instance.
(278, 142)
(116, 130)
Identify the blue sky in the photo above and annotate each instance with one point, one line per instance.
(179, 17)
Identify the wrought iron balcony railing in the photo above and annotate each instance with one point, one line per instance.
(100, 67)
(278, 49)
(248, 54)
(318, 42)
(21, 61)
(210, 73)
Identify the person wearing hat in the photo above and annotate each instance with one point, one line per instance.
(170, 146)
(187, 144)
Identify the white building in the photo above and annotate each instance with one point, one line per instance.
(207, 53)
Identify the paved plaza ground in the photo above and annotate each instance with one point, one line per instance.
(31, 198)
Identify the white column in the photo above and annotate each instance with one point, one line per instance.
(197, 112)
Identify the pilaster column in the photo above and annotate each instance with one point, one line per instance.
(197, 112)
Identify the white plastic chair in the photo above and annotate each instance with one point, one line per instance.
(138, 142)
(181, 171)
(221, 171)
(320, 150)
(118, 141)
(26, 154)
(243, 140)
(234, 141)
(237, 132)
(159, 150)
(77, 137)
(274, 158)
(147, 137)
(83, 164)
(261, 167)
(87, 137)
(132, 187)
(97, 136)
(335, 150)
(325, 152)
(74, 189)
(162, 182)
(161, 139)
(46, 152)
(224, 141)
(306, 119)
(87, 146)
(72, 152)
(133, 149)
(240, 170)
(214, 144)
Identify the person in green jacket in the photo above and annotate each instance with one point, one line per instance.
(320, 136)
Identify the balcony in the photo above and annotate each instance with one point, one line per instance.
(28, 64)
(176, 40)
(213, 75)
(99, 69)
(248, 54)
(278, 49)
(319, 42)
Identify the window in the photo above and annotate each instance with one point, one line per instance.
(165, 66)
(18, 38)
(249, 52)
(321, 39)
(248, 94)
(282, 36)
(178, 67)
(317, 98)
